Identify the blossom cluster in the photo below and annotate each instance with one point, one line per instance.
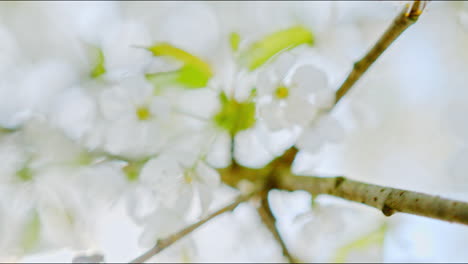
(140, 104)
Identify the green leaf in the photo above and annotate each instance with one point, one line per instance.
(166, 49)
(162, 79)
(192, 77)
(99, 69)
(195, 73)
(188, 77)
(263, 50)
(31, 234)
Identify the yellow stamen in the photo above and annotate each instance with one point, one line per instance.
(143, 113)
(188, 176)
(282, 92)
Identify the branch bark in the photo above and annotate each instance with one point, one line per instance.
(166, 242)
(388, 200)
(269, 220)
(403, 21)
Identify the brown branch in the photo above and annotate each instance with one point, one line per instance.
(403, 21)
(269, 221)
(166, 242)
(388, 200)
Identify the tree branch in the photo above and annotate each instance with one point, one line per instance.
(403, 21)
(166, 242)
(388, 200)
(269, 221)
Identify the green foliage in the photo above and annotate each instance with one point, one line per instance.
(195, 73)
(263, 50)
(188, 77)
(163, 79)
(192, 77)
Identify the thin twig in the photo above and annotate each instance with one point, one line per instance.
(388, 200)
(403, 21)
(166, 242)
(269, 220)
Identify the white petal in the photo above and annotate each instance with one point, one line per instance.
(94, 181)
(312, 84)
(121, 57)
(201, 103)
(162, 223)
(114, 105)
(74, 112)
(249, 151)
(219, 155)
(66, 220)
(272, 114)
(207, 175)
(310, 77)
(186, 194)
(190, 26)
(13, 156)
(243, 84)
(283, 64)
(44, 82)
(325, 129)
(91, 19)
(140, 201)
(205, 194)
(276, 141)
(266, 83)
(299, 111)
(160, 108)
(165, 176)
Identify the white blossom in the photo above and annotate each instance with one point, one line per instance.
(136, 121)
(291, 95)
(140, 106)
(178, 180)
(325, 130)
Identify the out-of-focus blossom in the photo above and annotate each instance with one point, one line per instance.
(294, 99)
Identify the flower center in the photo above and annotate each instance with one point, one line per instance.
(188, 176)
(143, 113)
(24, 174)
(282, 92)
(133, 169)
(235, 116)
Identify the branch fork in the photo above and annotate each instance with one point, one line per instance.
(278, 173)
